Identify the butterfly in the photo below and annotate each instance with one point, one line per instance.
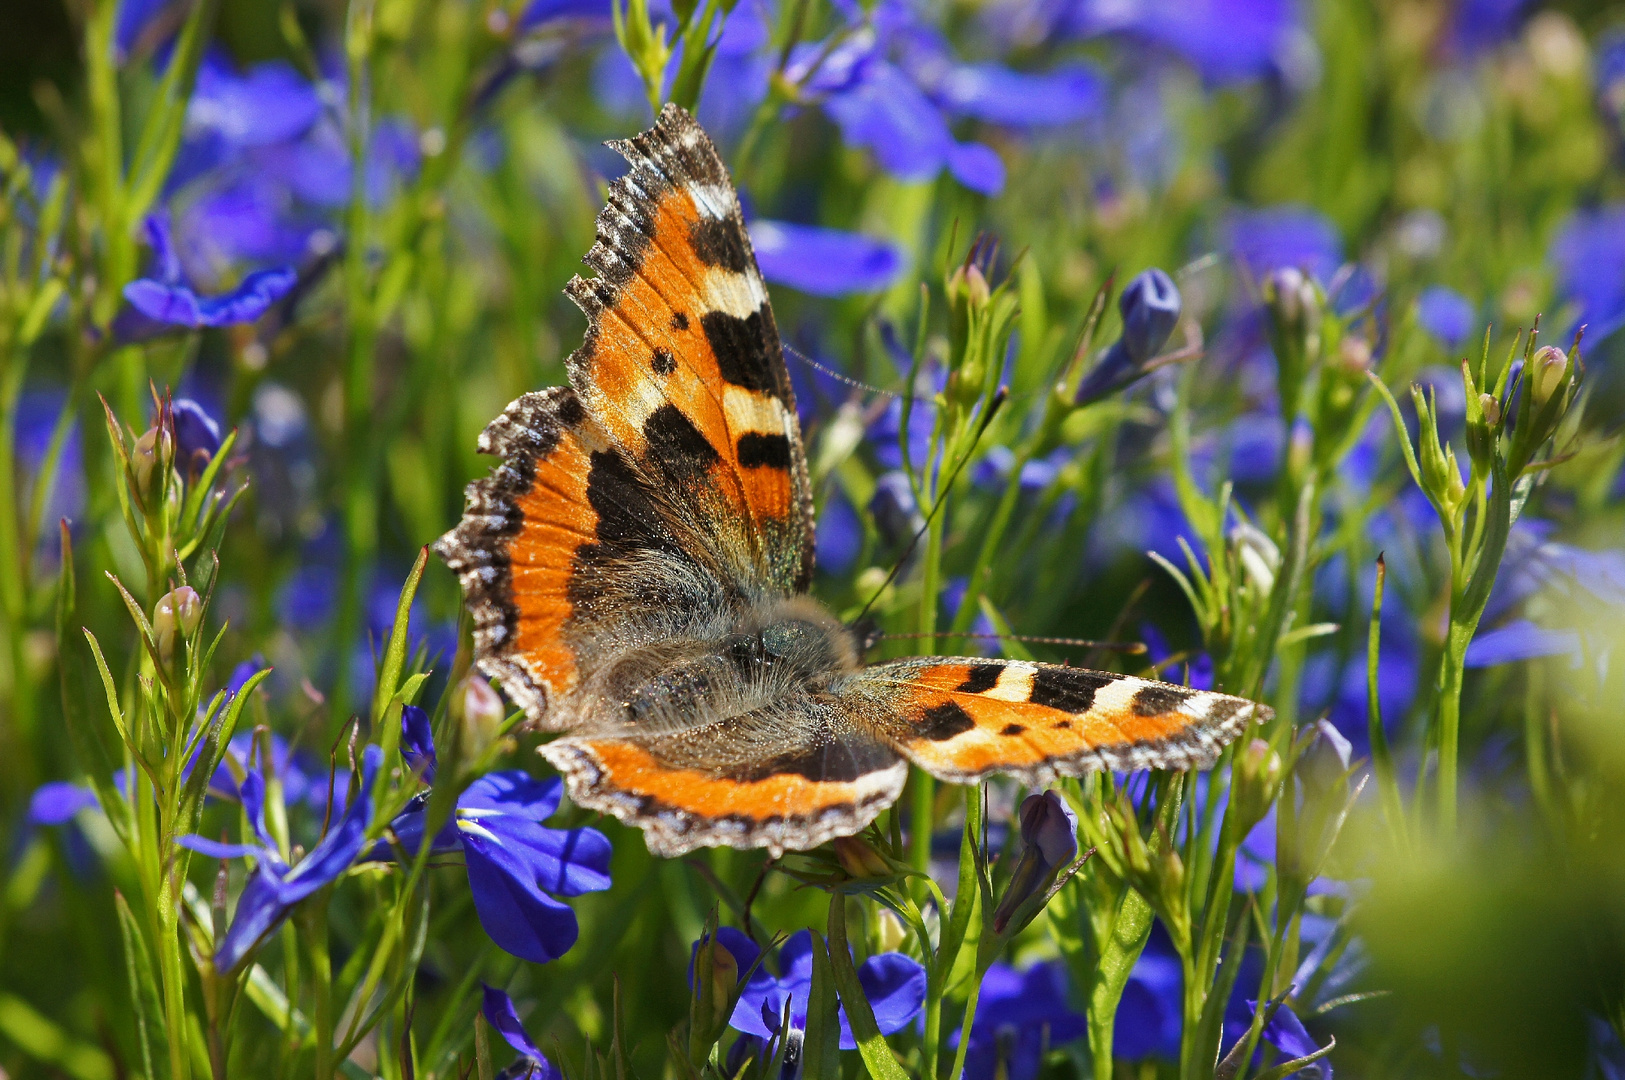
(637, 571)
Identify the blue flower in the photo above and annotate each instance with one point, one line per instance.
(1284, 236)
(59, 802)
(1521, 639)
(275, 887)
(1018, 1016)
(498, 1010)
(1150, 308)
(887, 112)
(1287, 1034)
(824, 262)
(893, 984)
(514, 861)
(1476, 26)
(1197, 669)
(269, 103)
(839, 535)
(1149, 1015)
(1589, 254)
(1225, 40)
(996, 94)
(197, 436)
(1445, 314)
(167, 301)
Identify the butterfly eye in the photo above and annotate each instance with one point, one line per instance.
(782, 639)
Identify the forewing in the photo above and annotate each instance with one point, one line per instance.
(962, 719)
(786, 779)
(562, 546)
(682, 363)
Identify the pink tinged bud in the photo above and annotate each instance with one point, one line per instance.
(1550, 367)
(1490, 406)
(175, 618)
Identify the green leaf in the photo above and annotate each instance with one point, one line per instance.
(212, 753)
(90, 743)
(877, 1056)
(821, 1058)
(389, 677)
(1287, 1068)
(40, 1038)
(144, 997)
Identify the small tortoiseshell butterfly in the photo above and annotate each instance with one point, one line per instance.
(637, 571)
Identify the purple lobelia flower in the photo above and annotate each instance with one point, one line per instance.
(499, 1012)
(894, 985)
(823, 262)
(1287, 1034)
(197, 436)
(1284, 236)
(1446, 314)
(839, 535)
(515, 863)
(1226, 40)
(1589, 255)
(275, 887)
(1018, 1016)
(1150, 307)
(166, 301)
(59, 802)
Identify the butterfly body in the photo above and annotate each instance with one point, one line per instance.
(637, 571)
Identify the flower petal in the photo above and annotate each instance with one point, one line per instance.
(58, 802)
(895, 987)
(823, 262)
(998, 95)
(499, 1013)
(1521, 639)
(417, 742)
(508, 808)
(521, 918)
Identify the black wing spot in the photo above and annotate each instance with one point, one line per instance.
(1013, 729)
(664, 362)
(1062, 725)
(1156, 700)
(758, 451)
(571, 412)
(981, 679)
(679, 321)
(719, 242)
(1068, 689)
(740, 346)
(942, 722)
(677, 445)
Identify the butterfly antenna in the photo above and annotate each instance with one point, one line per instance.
(981, 429)
(1131, 648)
(837, 376)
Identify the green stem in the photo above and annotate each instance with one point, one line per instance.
(1130, 930)
(314, 925)
(170, 970)
(1453, 666)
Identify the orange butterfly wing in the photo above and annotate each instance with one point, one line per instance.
(962, 719)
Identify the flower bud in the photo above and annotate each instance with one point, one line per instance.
(1293, 299)
(861, 861)
(1150, 307)
(175, 617)
(1258, 554)
(1049, 839)
(1548, 369)
(152, 451)
(197, 436)
(479, 710)
(1354, 356)
(1490, 406)
(1257, 776)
